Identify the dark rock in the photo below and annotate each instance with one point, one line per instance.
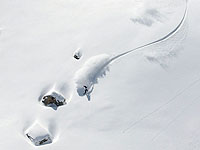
(53, 100)
(77, 54)
(76, 57)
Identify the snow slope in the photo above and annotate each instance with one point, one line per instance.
(139, 104)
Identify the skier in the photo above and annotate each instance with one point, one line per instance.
(82, 91)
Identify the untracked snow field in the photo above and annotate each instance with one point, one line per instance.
(62, 88)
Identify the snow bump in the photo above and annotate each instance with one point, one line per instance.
(38, 135)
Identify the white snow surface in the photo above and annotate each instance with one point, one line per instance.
(137, 105)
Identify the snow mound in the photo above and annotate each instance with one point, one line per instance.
(38, 135)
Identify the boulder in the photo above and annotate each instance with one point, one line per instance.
(53, 100)
(77, 54)
(38, 135)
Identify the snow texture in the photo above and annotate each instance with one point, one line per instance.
(148, 17)
(138, 106)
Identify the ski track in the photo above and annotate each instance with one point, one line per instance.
(162, 106)
(96, 66)
(194, 144)
(170, 34)
(175, 118)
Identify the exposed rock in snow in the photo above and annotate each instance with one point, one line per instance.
(38, 135)
(53, 99)
(77, 54)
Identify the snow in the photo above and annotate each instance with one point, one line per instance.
(37, 43)
(148, 18)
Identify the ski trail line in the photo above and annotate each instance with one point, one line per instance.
(157, 41)
(162, 106)
(175, 118)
